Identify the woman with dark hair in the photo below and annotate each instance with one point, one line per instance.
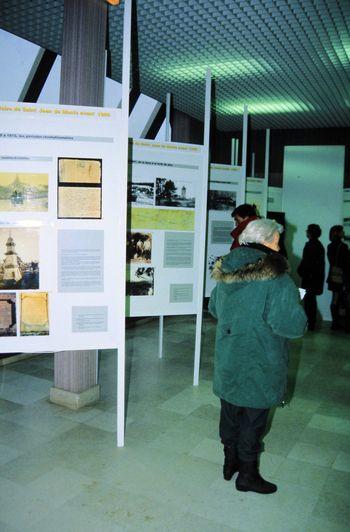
(339, 276)
(311, 270)
(258, 308)
(242, 215)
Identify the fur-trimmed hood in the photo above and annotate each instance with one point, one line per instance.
(246, 264)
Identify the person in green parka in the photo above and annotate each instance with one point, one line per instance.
(258, 308)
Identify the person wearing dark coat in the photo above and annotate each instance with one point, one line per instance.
(257, 306)
(338, 279)
(312, 272)
(242, 215)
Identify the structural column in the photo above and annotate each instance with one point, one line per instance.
(82, 83)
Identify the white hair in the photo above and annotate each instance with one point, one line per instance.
(258, 231)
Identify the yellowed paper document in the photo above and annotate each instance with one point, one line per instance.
(79, 171)
(79, 202)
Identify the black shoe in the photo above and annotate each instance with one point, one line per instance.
(249, 479)
(231, 462)
(335, 326)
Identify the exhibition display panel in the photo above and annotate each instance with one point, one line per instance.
(226, 191)
(255, 193)
(165, 228)
(62, 208)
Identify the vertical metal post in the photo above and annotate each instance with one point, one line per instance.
(233, 152)
(167, 139)
(161, 332)
(244, 152)
(266, 173)
(124, 173)
(197, 353)
(167, 118)
(253, 165)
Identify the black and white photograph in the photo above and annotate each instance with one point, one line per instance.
(175, 193)
(139, 247)
(221, 200)
(141, 282)
(141, 193)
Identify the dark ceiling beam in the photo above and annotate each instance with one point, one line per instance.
(156, 123)
(37, 76)
(133, 97)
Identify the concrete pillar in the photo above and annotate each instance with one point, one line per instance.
(82, 83)
(83, 52)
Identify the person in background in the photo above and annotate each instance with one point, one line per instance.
(312, 272)
(339, 276)
(257, 306)
(242, 215)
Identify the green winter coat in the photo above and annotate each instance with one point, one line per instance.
(258, 308)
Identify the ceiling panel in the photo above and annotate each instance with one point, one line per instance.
(288, 60)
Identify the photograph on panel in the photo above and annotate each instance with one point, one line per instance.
(23, 192)
(141, 193)
(34, 314)
(19, 258)
(140, 281)
(8, 314)
(221, 200)
(79, 188)
(175, 193)
(139, 247)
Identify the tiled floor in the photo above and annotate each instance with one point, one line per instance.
(60, 471)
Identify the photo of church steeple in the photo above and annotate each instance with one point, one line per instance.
(19, 258)
(12, 268)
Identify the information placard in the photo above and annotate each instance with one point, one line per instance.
(224, 194)
(165, 233)
(61, 211)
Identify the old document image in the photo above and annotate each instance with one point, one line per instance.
(80, 188)
(34, 314)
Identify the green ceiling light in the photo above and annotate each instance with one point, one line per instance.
(263, 107)
(220, 69)
(339, 52)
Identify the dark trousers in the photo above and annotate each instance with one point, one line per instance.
(242, 428)
(310, 307)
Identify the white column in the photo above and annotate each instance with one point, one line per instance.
(161, 332)
(201, 261)
(253, 165)
(244, 152)
(124, 172)
(167, 118)
(266, 174)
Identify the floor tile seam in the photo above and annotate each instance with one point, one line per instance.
(48, 432)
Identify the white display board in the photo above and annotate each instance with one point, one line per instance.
(62, 207)
(256, 193)
(274, 200)
(165, 228)
(224, 194)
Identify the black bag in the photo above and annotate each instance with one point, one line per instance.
(336, 274)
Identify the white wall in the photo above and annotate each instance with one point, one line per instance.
(312, 193)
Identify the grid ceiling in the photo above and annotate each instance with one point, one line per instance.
(288, 60)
